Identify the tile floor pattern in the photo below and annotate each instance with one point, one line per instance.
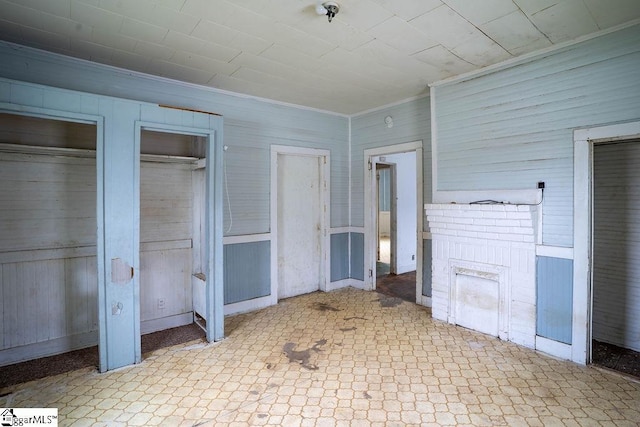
(349, 358)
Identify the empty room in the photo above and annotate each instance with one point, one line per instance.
(315, 213)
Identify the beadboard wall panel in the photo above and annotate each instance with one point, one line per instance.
(166, 236)
(616, 244)
(48, 270)
(514, 127)
(247, 271)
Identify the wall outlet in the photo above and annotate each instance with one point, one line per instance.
(541, 185)
(161, 303)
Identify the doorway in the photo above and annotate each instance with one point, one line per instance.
(616, 256)
(589, 237)
(386, 233)
(299, 220)
(404, 163)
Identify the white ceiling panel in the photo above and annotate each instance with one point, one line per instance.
(481, 51)
(96, 17)
(445, 26)
(143, 31)
(520, 34)
(612, 12)
(448, 63)
(481, 12)
(156, 51)
(374, 52)
(529, 7)
(363, 14)
(398, 34)
(408, 10)
(565, 21)
(294, 58)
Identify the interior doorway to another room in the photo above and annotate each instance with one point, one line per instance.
(393, 220)
(615, 316)
(385, 178)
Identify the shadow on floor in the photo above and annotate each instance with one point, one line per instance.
(617, 358)
(88, 357)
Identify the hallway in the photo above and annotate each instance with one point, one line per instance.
(348, 357)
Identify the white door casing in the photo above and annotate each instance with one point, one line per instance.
(370, 214)
(583, 228)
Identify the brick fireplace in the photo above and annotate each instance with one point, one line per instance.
(484, 268)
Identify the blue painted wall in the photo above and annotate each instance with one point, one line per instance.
(511, 128)
(339, 256)
(247, 271)
(426, 267)
(554, 298)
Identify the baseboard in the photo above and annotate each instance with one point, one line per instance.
(338, 284)
(554, 348)
(154, 325)
(48, 348)
(426, 301)
(359, 284)
(249, 305)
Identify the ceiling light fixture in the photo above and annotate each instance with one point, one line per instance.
(329, 8)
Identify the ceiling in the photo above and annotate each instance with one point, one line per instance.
(373, 53)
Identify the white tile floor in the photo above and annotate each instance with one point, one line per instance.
(356, 359)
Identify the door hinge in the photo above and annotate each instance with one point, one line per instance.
(370, 273)
(370, 165)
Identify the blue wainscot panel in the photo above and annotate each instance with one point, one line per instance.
(247, 272)
(357, 256)
(554, 277)
(426, 268)
(339, 256)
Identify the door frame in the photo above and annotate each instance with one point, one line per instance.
(371, 215)
(393, 215)
(325, 266)
(214, 290)
(584, 140)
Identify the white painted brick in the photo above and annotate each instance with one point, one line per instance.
(464, 233)
(484, 221)
(510, 208)
(493, 214)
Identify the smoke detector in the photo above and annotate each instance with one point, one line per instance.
(329, 8)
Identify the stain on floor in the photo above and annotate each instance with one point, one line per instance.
(320, 306)
(353, 328)
(303, 356)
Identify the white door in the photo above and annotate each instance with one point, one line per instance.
(299, 219)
